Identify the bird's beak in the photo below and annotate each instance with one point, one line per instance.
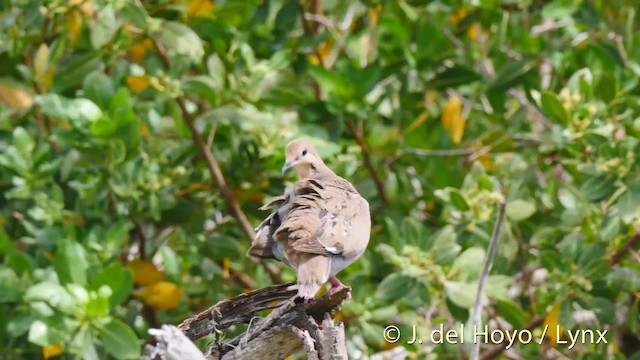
(286, 167)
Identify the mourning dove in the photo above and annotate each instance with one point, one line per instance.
(320, 226)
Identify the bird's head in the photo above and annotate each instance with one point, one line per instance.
(302, 155)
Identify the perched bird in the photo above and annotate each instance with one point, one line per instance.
(320, 225)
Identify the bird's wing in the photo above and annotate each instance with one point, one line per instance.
(262, 244)
(326, 217)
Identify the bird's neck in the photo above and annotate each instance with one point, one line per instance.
(314, 171)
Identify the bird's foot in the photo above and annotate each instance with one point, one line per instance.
(337, 285)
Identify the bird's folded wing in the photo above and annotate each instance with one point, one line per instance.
(323, 217)
(261, 246)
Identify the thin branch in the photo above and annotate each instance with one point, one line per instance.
(309, 31)
(629, 245)
(217, 177)
(212, 134)
(493, 246)
(357, 134)
(472, 154)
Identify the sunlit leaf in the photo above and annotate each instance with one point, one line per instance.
(119, 340)
(52, 350)
(162, 295)
(15, 97)
(452, 119)
(145, 273)
(138, 83)
(552, 323)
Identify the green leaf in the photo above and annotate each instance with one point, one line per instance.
(458, 200)
(552, 107)
(607, 88)
(510, 75)
(287, 16)
(469, 263)
(460, 293)
(453, 76)
(604, 310)
(179, 39)
(597, 188)
(71, 263)
(512, 312)
(118, 279)
(627, 204)
(54, 295)
(394, 287)
(331, 82)
(137, 14)
(445, 248)
(624, 279)
(103, 27)
(560, 9)
(74, 70)
(498, 285)
(98, 88)
(119, 340)
(104, 128)
(45, 333)
(518, 210)
(23, 141)
(79, 111)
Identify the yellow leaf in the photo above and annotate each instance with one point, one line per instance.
(139, 49)
(373, 13)
(163, 295)
(417, 122)
(145, 273)
(144, 129)
(226, 266)
(15, 98)
(46, 80)
(85, 6)
(552, 325)
(193, 187)
(460, 14)
(138, 83)
(74, 25)
(52, 350)
(452, 119)
(457, 129)
(199, 7)
(41, 60)
(474, 31)
(323, 51)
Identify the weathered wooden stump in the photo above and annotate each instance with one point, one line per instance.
(291, 326)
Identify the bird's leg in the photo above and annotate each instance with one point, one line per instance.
(337, 285)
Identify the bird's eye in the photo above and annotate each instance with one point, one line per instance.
(304, 152)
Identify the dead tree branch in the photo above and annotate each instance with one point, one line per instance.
(217, 177)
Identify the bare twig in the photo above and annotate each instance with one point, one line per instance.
(471, 154)
(357, 134)
(493, 246)
(629, 245)
(217, 177)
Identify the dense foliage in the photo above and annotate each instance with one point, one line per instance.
(139, 138)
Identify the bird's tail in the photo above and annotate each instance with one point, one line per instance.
(312, 273)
